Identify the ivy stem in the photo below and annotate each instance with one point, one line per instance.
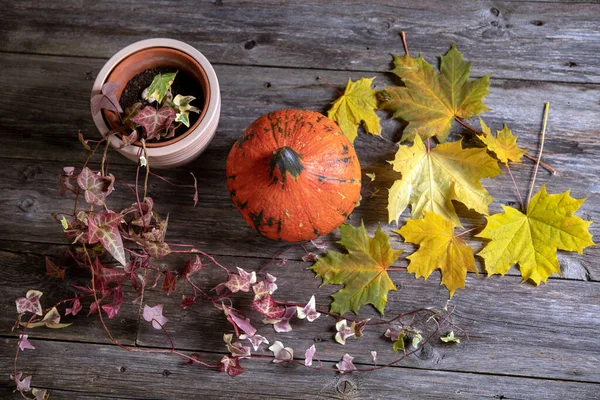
(544, 124)
(403, 36)
(516, 187)
(330, 85)
(133, 349)
(147, 168)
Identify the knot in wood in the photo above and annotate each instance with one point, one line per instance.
(345, 386)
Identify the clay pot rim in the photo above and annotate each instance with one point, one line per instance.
(111, 115)
(206, 124)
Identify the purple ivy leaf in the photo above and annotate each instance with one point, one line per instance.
(270, 283)
(96, 187)
(187, 301)
(310, 257)
(154, 121)
(239, 321)
(53, 270)
(343, 331)
(104, 228)
(235, 348)
(374, 356)
(170, 282)
(282, 324)
(141, 214)
(192, 266)
(24, 343)
(110, 310)
(345, 364)
(255, 340)
(154, 314)
(231, 365)
(106, 99)
(241, 281)
(22, 385)
(281, 353)
(267, 306)
(75, 308)
(309, 311)
(393, 333)
(309, 354)
(30, 303)
(320, 244)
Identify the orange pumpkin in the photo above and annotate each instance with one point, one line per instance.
(293, 175)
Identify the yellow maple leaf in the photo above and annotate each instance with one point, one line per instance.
(431, 180)
(430, 100)
(438, 249)
(532, 239)
(357, 105)
(504, 144)
(363, 271)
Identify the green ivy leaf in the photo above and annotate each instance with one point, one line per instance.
(160, 86)
(399, 343)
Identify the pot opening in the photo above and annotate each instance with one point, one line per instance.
(133, 72)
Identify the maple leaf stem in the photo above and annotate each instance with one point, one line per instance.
(526, 155)
(516, 187)
(403, 36)
(544, 124)
(469, 230)
(396, 268)
(428, 145)
(330, 85)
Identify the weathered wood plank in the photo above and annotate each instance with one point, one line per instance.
(532, 40)
(28, 82)
(23, 270)
(118, 374)
(29, 194)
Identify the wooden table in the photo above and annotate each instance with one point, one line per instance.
(524, 341)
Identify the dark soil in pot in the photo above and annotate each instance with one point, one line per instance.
(183, 85)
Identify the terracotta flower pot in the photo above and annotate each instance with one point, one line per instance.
(154, 53)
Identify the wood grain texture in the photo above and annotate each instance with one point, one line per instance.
(531, 40)
(523, 341)
(133, 375)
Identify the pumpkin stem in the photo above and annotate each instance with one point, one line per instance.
(285, 160)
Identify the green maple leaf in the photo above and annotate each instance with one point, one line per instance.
(432, 179)
(363, 271)
(430, 101)
(532, 239)
(357, 105)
